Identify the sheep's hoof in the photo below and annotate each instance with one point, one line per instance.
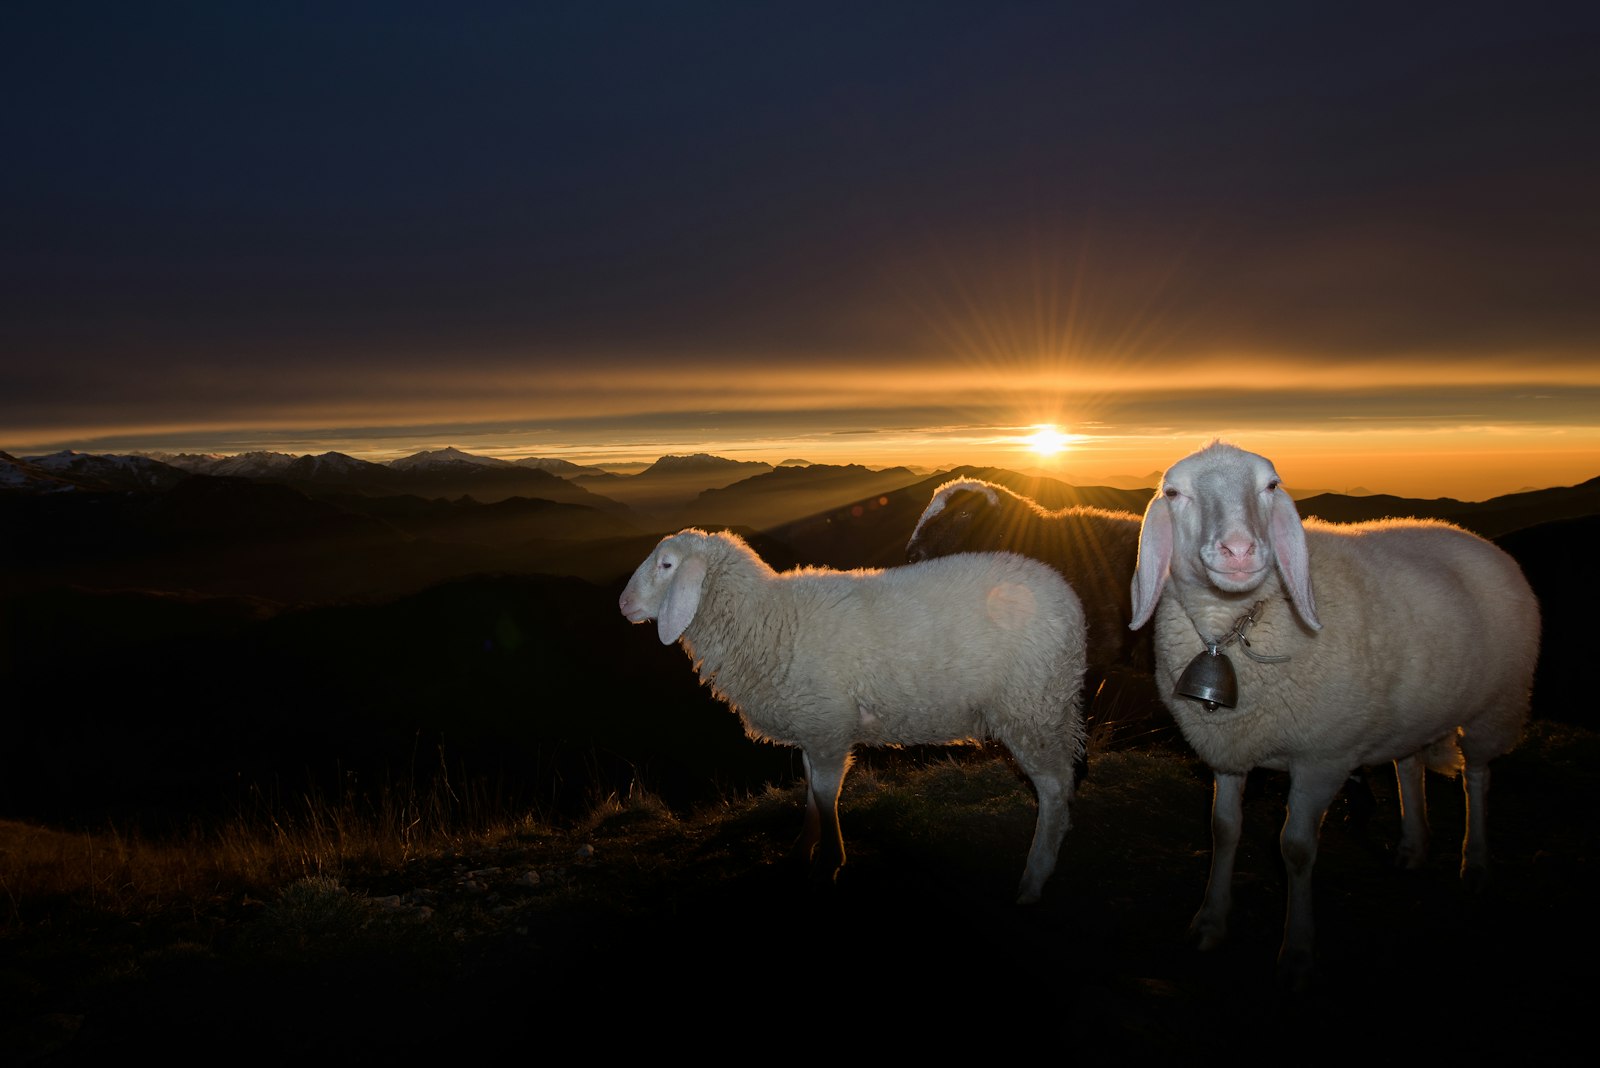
(1030, 891)
(802, 853)
(1206, 935)
(1296, 969)
(1475, 878)
(1410, 858)
(824, 875)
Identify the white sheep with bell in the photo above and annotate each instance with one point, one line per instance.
(966, 647)
(1401, 640)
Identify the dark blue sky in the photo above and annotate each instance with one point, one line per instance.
(357, 196)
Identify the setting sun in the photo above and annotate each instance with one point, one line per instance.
(1048, 441)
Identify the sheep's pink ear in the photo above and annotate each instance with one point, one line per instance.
(683, 599)
(1155, 558)
(1289, 546)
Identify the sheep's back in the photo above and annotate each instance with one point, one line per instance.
(923, 653)
(1458, 605)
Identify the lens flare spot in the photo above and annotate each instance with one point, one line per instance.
(1012, 606)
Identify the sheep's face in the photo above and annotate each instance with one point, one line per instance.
(1222, 502)
(1222, 519)
(646, 591)
(666, 587)
(951, 521)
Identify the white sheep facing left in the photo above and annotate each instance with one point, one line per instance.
(1403, 640)
(961, 648)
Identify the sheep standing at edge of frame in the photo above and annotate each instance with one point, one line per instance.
(976, 646)
(1411, 641)
(1093, 549)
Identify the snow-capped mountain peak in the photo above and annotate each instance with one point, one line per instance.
(564, 468)
(450, 455)
(106, 472)
(252, 464)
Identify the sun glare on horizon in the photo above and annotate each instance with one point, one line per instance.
(1048, 440)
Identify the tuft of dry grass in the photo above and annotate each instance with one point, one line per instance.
(267, 844)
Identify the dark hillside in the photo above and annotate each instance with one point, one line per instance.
(1490, 519)
(532, 683)
(511, 521)
(786, 494)
(1560, 562)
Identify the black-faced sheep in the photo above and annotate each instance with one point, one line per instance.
(1093, 549)
(1410, 641)
(975, 646)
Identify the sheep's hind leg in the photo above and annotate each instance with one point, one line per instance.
(1052, 779)
(1210, 925)
(1409, 776)
(822, 841)
(1475, 843)
(811, 829)
(1048, 831)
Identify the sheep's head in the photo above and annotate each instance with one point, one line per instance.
(666, 587)
(956, 512)
(1221, 518)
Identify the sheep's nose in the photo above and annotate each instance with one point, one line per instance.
(1237, 547)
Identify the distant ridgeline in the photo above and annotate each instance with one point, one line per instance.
(323, 622)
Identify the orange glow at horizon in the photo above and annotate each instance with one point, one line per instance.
(1378, 424)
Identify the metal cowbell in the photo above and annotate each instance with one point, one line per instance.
(1209, 678)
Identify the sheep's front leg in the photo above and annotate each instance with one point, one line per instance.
(1409, 776)
(1311, 791)
(1210, 925)
(822, 840)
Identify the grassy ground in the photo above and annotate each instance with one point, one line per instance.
(639, 928)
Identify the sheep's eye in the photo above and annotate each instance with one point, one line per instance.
(1272, 485)
(1171, 492)
(666, 565)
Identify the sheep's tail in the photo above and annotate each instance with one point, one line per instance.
(1444, 755)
